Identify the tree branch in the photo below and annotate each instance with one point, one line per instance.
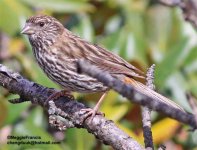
(133, 95)
(146, 112)
(193, 104)
(189, 8)
(105, 130)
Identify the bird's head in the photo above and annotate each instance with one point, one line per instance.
(42, 28)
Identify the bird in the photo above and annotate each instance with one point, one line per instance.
(57, 51)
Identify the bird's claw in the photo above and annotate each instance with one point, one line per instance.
(89, 112)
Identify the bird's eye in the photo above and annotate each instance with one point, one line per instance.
(41, 24)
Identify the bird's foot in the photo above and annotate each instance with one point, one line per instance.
(93, 112)
(89, 112)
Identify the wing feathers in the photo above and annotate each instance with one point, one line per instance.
(100, 57)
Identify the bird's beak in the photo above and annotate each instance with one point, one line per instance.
(27, 30)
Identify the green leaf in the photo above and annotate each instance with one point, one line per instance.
(12, 13)
(169, 63)
(80, 139)
(3, 110)
(113, 108)
(113, 24)
(121, 42)
(191, 57)
(84, 28)
(62, 6)
(110, 41)
(14, 111)
(178, 87)
(194, 137)
(33, 126)
(157, 30)
(193, 84)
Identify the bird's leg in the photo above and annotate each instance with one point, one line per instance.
(92, 112)
(54, 96)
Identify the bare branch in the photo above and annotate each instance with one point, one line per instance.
(146, 112)
(105, 130)
(133, 95)
(193, 104)
(189, 8)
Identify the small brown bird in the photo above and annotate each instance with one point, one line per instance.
(57, 51)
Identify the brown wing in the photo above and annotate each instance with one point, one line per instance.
(100, 57)
(78, 48)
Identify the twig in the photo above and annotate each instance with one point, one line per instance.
(135, 96)
(193, 104)
(162, 147)
(105, 130)
(189, 8)
(171, 3)
(146, 112)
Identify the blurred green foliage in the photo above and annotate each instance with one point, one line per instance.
(141, 31)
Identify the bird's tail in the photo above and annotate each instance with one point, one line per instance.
(152, 94)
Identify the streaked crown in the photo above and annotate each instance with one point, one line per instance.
(42, 28)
